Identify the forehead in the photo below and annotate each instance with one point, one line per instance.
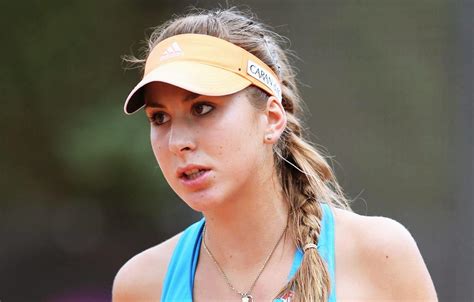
(156, 93)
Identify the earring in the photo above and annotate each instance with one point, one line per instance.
(268, 137)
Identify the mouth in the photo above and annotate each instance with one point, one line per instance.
(193, 174)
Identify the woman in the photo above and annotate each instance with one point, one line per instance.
(222, 101)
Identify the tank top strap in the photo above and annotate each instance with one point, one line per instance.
(179, 280)
(326, 247)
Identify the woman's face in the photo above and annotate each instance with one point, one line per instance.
(222, 137)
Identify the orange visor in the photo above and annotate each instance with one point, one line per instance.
(204, 65)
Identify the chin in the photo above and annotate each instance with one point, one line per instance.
(201, 201)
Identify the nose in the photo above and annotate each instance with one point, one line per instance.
(181, 139)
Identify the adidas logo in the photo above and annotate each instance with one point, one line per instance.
(173, 51)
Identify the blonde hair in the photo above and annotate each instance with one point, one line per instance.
(306, 178)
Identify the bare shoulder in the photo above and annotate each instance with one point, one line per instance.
(141, 277)
(387, 257)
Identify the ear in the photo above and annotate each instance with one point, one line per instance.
(275, 120)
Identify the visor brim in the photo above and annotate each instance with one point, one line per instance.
(192, 76)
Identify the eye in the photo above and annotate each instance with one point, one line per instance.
(202, 108)
(158, 118)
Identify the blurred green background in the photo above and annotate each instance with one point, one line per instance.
(389, 92)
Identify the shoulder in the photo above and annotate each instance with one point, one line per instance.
(388, 257)
(141, 277)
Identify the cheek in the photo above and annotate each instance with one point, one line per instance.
(158, 146)
(237, 146)
(155, 143)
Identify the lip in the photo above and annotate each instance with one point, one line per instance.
(181, 170)
(193, 183)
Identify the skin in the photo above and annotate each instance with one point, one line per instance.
(244, 210)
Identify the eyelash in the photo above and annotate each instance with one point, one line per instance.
(152, 118)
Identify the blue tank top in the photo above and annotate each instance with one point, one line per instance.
(179, 280)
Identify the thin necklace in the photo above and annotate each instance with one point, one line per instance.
(245, 296)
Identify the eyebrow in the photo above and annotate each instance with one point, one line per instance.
(189, 97)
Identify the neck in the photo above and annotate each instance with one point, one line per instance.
(245, 229)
